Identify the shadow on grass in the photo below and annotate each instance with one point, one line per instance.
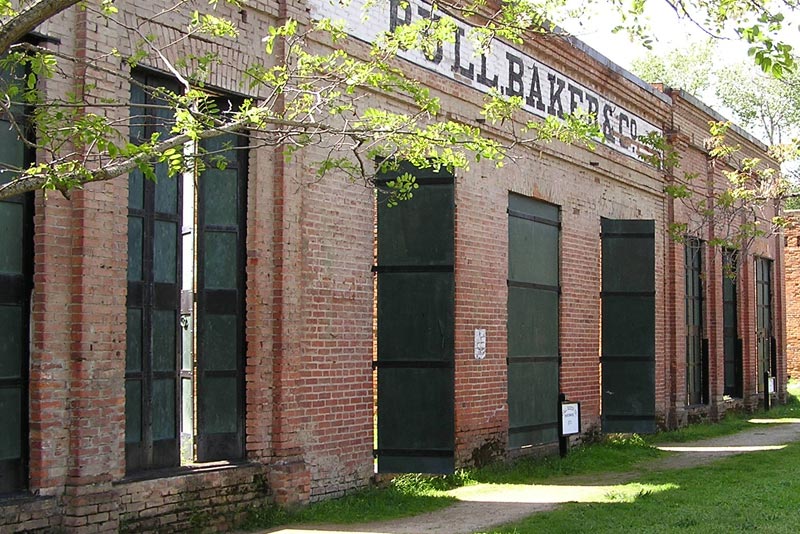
(410, 495)
(613, 454)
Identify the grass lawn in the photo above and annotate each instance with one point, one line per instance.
(732, 423)
(756, 491)
(708, 490)
(409, 495)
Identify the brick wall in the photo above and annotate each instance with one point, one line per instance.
(690, 127)
(30, 514)
(209, 500)
(792, 256)
(309, 301)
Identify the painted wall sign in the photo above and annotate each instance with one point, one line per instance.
(513, 73)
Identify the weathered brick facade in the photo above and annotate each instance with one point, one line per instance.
(792, 258)
(310, 299)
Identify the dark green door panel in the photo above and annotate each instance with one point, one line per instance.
(764, 319)
(16, 282)
(153, 301)
(415, 329)
(531, 412)
(629, 321)
(416, 434)
(420, 306)
(730, 326)
(628, 326)
(221, 250)
(696, 358)
(533, 315)
(535, 322)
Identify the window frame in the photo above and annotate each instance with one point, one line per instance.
(190, 445)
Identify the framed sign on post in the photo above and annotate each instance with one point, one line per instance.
(570, 418)
(569, 423)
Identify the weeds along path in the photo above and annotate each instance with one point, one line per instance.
(482, 507)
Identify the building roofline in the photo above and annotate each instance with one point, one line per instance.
(663, 95)
(606, 62)
(696, 102)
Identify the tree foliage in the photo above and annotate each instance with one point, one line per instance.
(767, 106)
(688, 68)
(306, 95)
(745, 206)
(764, 103)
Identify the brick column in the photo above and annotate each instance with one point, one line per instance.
(98, 328)
(713, 308)
(289, 475)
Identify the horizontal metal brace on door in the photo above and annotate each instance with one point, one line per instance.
(412, 269)
(531, 428)
(534, 218)
(627, 358)
(532, 285)
(428, 180)
(627, 293)
(643, 235)
(437, 453)
(532, 359)
(413, 364)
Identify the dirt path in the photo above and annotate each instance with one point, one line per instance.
(482, 507)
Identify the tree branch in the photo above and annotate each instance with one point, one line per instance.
(18, 26)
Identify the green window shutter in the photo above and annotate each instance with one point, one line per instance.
(730, 326)
(16, 281)
(534, 231)
(764, 331)
(696, 360)
(153, 331)
(628, 325)
(415, 328)
(220, 302)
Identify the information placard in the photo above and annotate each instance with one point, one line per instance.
(570, 418)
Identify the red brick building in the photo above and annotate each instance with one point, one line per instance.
(191, 351)
(792, 258)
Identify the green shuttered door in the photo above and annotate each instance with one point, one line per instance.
(220, 302)
(764, 334)
(416, 329)
(732, 345)
(696, 347)
(16, 266)
(628, 326)
(154, 249)
(533, 300)
(159, 365)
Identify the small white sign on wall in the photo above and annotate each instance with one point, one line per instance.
(480, 343)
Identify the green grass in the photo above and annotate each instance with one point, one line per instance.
(615, 453)
(407, 495)
(732, 422)
(410, 495)
(756, 491)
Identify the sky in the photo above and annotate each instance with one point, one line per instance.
(670, 33)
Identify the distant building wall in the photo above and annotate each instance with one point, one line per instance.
(792, 252)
